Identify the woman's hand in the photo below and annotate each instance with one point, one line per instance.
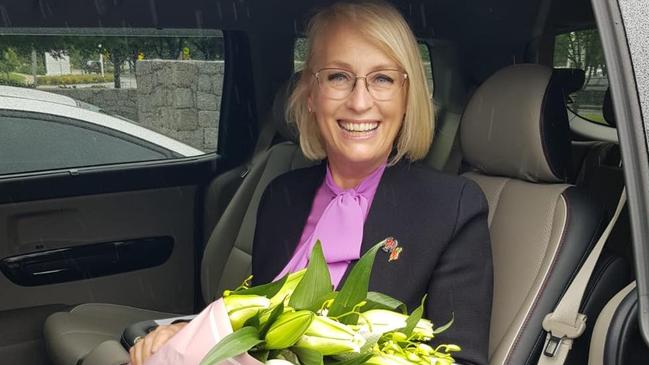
(150, 343)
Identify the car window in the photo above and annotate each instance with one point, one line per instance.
(149, 85)
(583, 50)
(35, 142)
(299, 54)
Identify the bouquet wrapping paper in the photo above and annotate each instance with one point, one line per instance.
(190, 345)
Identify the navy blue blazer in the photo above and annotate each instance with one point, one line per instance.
(440, 221)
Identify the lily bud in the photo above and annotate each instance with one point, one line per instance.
(287, 329)
(330, 337)
(382, 320)
(288, 288)
(242, 307)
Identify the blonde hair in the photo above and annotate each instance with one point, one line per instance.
(384, 27)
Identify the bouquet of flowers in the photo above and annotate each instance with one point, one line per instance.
(301, 320)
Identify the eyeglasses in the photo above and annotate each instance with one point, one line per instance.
(338, 84)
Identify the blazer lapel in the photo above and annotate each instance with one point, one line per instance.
(294, 214)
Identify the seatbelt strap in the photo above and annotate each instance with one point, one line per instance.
(566, 324)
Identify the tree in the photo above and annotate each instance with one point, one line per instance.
(9, 62)
(580, 49)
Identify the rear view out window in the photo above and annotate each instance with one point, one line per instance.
(160, 87)
(583, 50)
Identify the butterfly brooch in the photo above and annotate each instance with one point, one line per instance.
(391, 246)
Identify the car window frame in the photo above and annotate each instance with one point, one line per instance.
(633, 145)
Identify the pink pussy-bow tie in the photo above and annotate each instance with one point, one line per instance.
(339, 229)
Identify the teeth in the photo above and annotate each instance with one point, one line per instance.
(358, 127)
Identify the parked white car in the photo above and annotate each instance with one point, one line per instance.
(42, 130)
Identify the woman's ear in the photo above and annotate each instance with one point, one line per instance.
(309, 104)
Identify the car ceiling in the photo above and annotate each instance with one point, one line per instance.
(498, 20)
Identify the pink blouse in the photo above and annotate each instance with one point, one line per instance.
(339, 249)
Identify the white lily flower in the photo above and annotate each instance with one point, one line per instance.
(242, 307)
(278, 362)
(330, 337)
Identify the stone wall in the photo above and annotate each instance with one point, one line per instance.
(181, 99)
(116, 101)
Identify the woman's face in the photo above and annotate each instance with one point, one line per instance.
(358, 130)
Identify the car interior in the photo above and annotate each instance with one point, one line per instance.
(88, 251)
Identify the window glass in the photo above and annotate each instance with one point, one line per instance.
(150, 83)
(28, 143)
(299, 56)
(583, 50)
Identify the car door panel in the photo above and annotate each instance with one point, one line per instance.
(48, 225)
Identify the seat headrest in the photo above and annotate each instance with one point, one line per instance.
(607, 109)
(570, 79)
(287, 131)
(516, 125)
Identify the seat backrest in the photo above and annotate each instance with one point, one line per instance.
(227, 258)
(515, 138)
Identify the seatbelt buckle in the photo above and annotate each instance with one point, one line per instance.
(552, 344)
(559, 331)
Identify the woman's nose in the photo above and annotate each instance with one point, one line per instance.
(360, 98)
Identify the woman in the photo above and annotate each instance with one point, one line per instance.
(362, 104)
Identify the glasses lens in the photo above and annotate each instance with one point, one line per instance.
(384, 84)
(336, 83)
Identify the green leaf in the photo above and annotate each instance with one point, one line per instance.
(315, 284)
(234, 344)
(252, 321)
(279, 309)
(360, 359)
(308, 356)
(320, 301)
(354, 290)
(267, 290)
(413, 318)
(446, 326)
(381, 301)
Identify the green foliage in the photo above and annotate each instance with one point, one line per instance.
(300, 49)
(414, 318)
(580, 49)
(316, 283)
(9, 61)
(73, 79)
(232, 345)
(354, 289)
(13, 79)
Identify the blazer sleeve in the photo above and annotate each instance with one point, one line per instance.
(462, 281)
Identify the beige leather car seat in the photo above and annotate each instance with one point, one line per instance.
(515, 138)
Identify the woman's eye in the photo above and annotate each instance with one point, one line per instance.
(381, 79)
(338, 77)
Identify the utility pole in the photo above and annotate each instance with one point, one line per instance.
(34, 67)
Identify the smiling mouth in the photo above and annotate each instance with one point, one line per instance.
(355, 127)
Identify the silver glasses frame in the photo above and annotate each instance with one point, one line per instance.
(356, 77)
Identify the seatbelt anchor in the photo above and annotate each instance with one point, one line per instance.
(559, 331)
